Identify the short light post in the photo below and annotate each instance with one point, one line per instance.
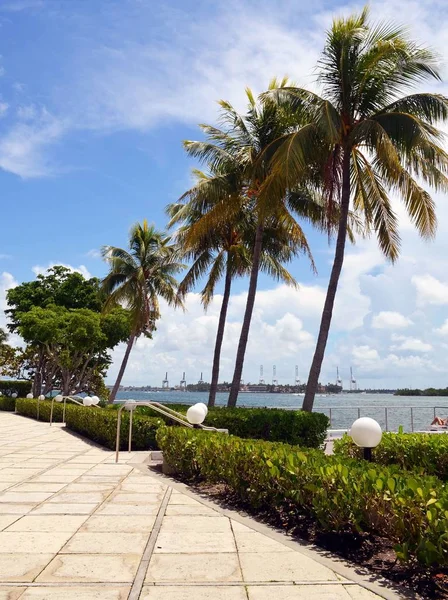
(366, 433)
(29, 396)
(14, 395)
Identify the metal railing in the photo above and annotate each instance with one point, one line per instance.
(159, 408)
(75, 399)
(379, 409)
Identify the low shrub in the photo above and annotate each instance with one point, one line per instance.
(7, 403)
(422, 452)
(274, 424)
(340, 494)
(98, 425)
(19, 387)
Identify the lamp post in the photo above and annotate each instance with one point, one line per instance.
(366, 433)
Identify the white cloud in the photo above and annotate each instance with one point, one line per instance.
(40, 270)
(7, 281)
(23, 146)
(3, 109)
(430, 290)
(387, 319)
(443, 330)
(364, 353)
(94, 253)
(410, 343)
(19, 5)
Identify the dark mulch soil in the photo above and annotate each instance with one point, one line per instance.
(368, 551)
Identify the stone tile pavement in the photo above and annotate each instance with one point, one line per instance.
(76, 526)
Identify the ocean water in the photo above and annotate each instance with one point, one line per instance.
(345, 408)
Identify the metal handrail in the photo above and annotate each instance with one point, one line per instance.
(385, 408)
(159, 408)
(73, 399)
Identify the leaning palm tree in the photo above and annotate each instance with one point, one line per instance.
(368, 139)
(138, 277)
(241, 153)
(225, 251)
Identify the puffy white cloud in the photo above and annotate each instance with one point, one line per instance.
(388, 319)
(411, 343)
(443, 329)
(430, 290)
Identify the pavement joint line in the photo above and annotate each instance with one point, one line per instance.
(139, 578)
(237, 553)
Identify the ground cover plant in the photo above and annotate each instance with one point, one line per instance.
(422, 452)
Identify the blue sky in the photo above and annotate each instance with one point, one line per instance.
(95, 100)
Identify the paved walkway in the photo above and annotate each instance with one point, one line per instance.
(76, 526)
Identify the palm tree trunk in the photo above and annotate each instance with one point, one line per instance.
(316, 365)
(122, 369)
(247, 318)
(220, 335)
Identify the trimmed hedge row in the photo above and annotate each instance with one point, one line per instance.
(423, 452)
(340, 494)
(11, 386)
(98, 425)
(8, 404)
(273, 424)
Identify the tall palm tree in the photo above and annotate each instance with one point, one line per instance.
(241, 151)
(368, 139)
(225, 250)
(138, 277)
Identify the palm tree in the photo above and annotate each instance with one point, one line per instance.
(225, 250)
(368, 139)
(138, 277)
(242, 152)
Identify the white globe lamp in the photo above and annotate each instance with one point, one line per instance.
(59, 398)
(14, 395)
(95, 400)
(128, 406)
(87, 401)
(204, 407)
(196, 414)
(29, 396)
(41, 397)
(367, 434)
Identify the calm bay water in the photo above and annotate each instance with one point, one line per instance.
(344, 407)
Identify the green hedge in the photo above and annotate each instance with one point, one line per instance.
(423, 452)
(273, 424)
(340, 494)
(96, 424)
(7, 403)
(19, 387)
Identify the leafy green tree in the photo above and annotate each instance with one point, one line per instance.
(225, 251)
(137, 278)
(367, 141)
(75, 342)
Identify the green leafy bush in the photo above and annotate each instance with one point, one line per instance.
(8, 404)
(273, 424)
(423, 452)
(9, 387)
(340, 494)
(96, 424)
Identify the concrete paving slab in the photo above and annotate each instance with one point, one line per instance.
(24, 497)
(115, 508)
(251, 541)
(126, 523)
(200, 542)
(11, 593)
(298, 592)
(106, 543)
(6, 520)
(194, 568)
(39, 487)
(187, 509)
(196, 592)
(32, 541)
(76, 593)
(91, 497)
(64, 509)
(107, 568)
(194, 523)
(136, 498)
(48, 523)
(282, 566)
(22, 567)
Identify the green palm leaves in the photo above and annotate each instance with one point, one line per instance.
(367, 140)
(138, 277)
